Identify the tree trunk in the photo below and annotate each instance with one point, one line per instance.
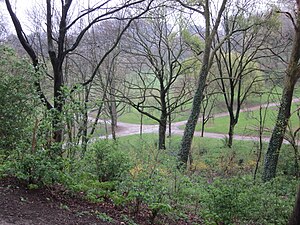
(295, 217)
(58, 109)
(276, 140)
(84, 130)
(141, 125)
(113, 117)
(162, 131)
(189, 130)
(113, 126)
(291, 77)
(203, 123)
(113, 106)
(170, 124)
(232, 124)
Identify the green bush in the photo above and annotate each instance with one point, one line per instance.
(238, 200)
(37, 167)
(110, 163)
(16, 102)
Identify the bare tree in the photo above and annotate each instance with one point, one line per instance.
(159, 83)
(207, 105)
(59, 25)
(238, 71)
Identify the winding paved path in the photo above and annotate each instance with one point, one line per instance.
(126, 129)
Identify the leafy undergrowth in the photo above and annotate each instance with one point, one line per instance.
(23, 204)
(135, 183)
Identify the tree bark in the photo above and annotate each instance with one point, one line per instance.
(186, 141)
(295, 217)
(162, 128)
(232, 124)
(189, 130)
(203, 124)
(162, 134)
(291, 77)
(272, 155)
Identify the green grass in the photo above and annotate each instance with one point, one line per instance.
(210, 156)
(248, 122)
(212, 148)
(133, 116)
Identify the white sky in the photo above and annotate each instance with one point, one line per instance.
(21, 7)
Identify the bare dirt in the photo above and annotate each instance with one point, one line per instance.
(55, 205)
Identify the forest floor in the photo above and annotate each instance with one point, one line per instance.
(50, 206)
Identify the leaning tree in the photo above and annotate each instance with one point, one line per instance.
(291, 77)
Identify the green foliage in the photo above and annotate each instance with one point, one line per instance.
(110, 163)
(238, 200)
(16, 102)
(23, 151)
(37, 167)
(104, 217)
(193, 41)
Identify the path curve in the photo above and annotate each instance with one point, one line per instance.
(126, 129)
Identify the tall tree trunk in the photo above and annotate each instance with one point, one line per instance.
(291, 77)
(141, 124)
(113, 126)
(186, 141)
(271, 158)
(58, 106)
(85, 126)
(189, 130)
(203, 123)
(170, 124)
(162, 126)
(85, 121)
(113, 105)
(169, 116)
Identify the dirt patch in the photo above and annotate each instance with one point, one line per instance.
(48, 206)
(20, 205)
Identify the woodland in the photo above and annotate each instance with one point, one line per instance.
(150, 112)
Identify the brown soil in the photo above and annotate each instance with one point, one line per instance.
(49, 206)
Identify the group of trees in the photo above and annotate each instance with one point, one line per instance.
(105, 56)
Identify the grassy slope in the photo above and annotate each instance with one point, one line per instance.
(208, 154)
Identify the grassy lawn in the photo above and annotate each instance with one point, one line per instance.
(248, 122)
(133, 116)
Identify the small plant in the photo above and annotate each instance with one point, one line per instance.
(110, 162)
(158, 208)
(104, 217)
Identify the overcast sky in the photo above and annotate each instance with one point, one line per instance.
(21, 7)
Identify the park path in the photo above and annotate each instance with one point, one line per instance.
(126, 129)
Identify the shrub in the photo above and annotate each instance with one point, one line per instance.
(110, 163)
(16, 102)
(37, 167)
(238, 200)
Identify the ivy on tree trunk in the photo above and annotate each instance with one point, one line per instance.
(291, 78)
